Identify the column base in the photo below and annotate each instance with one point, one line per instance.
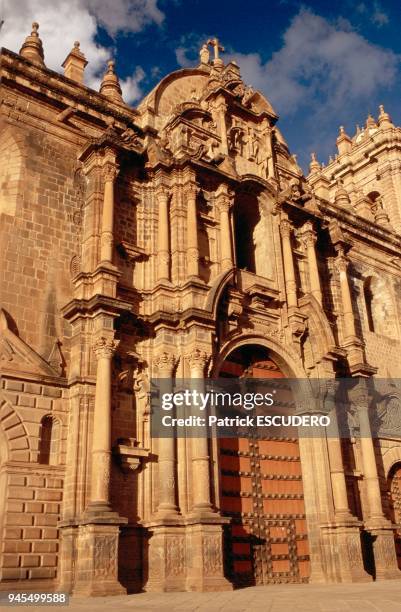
(382, 534)
(96, 573)
(186, 554)
(205, 569)
(165, 555)
(346, 550)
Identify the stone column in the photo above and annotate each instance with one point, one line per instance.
(289, 271)
(167, 457)
(96, 568)
(348, 313)
(380, 528)
(192, 233)
(104, 348)
(309, 237)
(224, 200)
(163, 238)
(110, 170)
(346, 553)
(200, 451)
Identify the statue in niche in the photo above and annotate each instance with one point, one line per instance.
(141, 387)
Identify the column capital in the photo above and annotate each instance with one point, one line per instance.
(105, 347)
(285, 228)
(110, 171)
(191, 190)
(165, 362)
(224, 197)
(308, 233)
(162, 192)
(359, 396)
(197, 360)
(342, 261)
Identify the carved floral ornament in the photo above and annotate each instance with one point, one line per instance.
(308, 235)
(285, 228)
(165, 362)
(197, 359)
(110, 171)
(105, 347)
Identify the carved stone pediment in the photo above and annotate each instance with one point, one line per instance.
(16, 355)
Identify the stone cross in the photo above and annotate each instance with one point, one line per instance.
(214, 42)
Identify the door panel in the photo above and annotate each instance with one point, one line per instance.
(261, 490)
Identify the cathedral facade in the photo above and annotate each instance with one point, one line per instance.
(176, 240)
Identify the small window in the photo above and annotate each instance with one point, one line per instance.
(49, 442)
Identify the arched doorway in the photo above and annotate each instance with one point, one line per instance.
(261, 491)
(394, 486)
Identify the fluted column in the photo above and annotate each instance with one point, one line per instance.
(104, 348)
(309, 236)
(200, 451)
(192, 232)
(110, 170)
(224, 200)
(289, 270)
(163, 238)
(348, 313)
(165, 363)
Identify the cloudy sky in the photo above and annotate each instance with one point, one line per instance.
(321, 64)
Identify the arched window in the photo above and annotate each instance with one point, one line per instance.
(49, 441)
(11, 168)
(380, 312)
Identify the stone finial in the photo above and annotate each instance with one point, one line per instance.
(341, 197)
(363, 206)
(32, 49)
(344, 142)
(204, 55)
(370, 122)
(384, 120)
(74, 64)
(314, 165)
(110, 86)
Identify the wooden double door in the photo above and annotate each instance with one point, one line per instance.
(262, 493)
(395, 506)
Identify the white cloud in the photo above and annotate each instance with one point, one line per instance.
(379, 17)
(64, 21)
(321, 64)
(131, 86)
(125, 15)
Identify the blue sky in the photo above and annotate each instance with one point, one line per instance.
(321, 64)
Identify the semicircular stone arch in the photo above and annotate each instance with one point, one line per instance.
(11, 171)
(390, 458)
(286, 361)
(14, 432)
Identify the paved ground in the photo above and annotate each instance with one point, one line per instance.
(372, 597)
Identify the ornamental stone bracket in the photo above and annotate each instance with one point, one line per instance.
(129, 456)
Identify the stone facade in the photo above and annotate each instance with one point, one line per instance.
(158, 241)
